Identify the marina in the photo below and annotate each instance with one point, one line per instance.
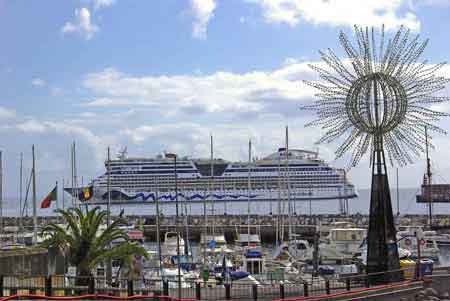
(200, 151)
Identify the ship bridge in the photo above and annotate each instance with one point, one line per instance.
(217, 165)
(293, 154)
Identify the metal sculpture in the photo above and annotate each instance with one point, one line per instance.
(376, 100)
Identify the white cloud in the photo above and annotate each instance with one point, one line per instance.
(38, 82)
(290, 61)
(98, 4)
(68, 130)
(202, 11)
(82, 25)
(88, 115)
(252, 92)
(31, 126)
(391, 13)
(6, 114)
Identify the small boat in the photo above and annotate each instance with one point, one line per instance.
(362, 254)
(300, 248)
(253, 262)
(441, 239)
(213, 245)
(12, 246)
(428, 246)
(169, 246)
(248, 241)
(343, 241)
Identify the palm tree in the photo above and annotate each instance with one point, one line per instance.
(85, 244)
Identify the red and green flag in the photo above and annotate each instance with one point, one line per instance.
(52, 196)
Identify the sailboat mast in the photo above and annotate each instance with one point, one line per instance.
(288, 184)
(158, 233)
(34, 197)
(205, 200)
(108, 217)
(430, 209)
(1, 193)
(280, 229)
(20, 190)
(63, 197)
(75, 174)
(71, 175)
(249, 189)
(212, 187)
(187, 246)
(398, 195)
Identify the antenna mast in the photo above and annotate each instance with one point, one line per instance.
(430, 205)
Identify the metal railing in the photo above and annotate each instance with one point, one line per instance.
(59, 285)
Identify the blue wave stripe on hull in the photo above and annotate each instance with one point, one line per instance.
(165, 197)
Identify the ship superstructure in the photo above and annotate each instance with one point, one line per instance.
(145, 179)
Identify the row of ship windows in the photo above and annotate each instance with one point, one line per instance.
(162, 174)
(242, 180)
(185, 169)
(189, 164)
(338, 189)
(227, 179)
(227, 186)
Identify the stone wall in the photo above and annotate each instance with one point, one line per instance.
(31, 262)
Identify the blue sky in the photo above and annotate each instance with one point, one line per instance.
(163, 75)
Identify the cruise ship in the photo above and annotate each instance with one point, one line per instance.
(298, 175)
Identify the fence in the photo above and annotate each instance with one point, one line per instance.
(59, 286)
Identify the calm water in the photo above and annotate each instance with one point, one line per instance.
(407, 202)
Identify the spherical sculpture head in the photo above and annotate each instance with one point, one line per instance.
(379, 93)
(376, 103)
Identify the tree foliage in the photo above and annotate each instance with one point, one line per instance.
(85, 241)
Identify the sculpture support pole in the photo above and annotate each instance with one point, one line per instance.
(371, 107)
(382, 251)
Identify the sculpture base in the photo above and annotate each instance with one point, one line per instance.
(382, 251)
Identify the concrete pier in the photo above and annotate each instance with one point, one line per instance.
(231, 225)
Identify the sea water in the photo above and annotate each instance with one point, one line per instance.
(406, 201)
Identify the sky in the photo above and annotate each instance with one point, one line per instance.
(157, 76)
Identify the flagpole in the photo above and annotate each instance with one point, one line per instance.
(63, 200)
(34, 198)
(57, 201)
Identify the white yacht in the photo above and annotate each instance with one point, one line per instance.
(214, 244)
(343, 241)
(169, 246)
(247, 241)
(300, 249)
(407, 240)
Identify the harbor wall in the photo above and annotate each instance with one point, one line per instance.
(231, 225)
(31, 262)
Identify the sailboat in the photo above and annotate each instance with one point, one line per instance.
(216, 255)
(430, 192)
(249, 244)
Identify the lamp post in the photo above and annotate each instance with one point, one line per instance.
(174, 157)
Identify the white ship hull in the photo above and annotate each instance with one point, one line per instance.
(297, 175)
(219, 196)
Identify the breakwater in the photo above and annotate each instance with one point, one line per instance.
(230, 225)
